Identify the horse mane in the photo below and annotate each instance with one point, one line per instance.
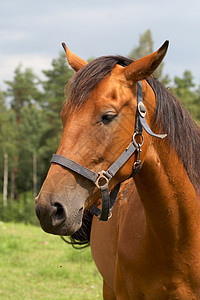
(183, 134)
(170, 116)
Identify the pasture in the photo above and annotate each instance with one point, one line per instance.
(36, 265)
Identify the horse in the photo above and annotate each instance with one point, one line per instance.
(142, 214)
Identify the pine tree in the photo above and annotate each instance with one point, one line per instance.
(22, 92)
(184, 90)
(32, 129)
(7, 144)
(145, 47)
(54, 95)
(54, 85)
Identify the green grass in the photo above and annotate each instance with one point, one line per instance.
(35, 265)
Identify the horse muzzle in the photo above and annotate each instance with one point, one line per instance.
(54, 218)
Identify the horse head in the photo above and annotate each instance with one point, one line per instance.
(99, 121)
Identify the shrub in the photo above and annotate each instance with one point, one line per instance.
(22, 210)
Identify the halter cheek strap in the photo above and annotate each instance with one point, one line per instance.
(102, 179)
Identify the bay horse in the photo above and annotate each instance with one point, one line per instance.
(145, 237)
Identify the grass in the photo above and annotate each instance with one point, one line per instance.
(36, 265)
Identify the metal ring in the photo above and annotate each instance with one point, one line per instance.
(134, 141)
(101, 176)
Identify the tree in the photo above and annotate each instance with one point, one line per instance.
(7, 144)
(184, 90)
(57, 79)
(32, 128)
(144, 48)
(54, 95)
(197, 103)
(3, 123)
(22, 91)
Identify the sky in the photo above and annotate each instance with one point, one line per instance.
(31, 32)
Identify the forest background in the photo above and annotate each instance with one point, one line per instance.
(30, 126)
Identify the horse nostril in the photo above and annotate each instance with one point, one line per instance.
(60, 213)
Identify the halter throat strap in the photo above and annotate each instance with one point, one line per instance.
(102, 179)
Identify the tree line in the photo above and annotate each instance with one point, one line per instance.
(30, 125)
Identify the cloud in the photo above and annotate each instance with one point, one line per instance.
(12, 35)
(10, 62)
(33, 30)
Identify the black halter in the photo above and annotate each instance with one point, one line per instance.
(102, 179)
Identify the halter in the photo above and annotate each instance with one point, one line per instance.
(102, 179)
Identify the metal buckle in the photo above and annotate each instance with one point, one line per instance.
(141, 109)
(137, 166)
(137, 163)
(102, 177)
(134, 141)
(109, 216)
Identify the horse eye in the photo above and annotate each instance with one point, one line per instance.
(108, 117)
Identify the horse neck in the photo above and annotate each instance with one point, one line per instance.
(169, 199)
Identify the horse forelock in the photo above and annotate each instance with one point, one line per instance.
(87, 78)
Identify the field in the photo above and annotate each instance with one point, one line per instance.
(35, 265)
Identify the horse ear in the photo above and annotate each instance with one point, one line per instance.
(75, 62)
(145, 66)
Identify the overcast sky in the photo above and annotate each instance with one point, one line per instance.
(31, 32)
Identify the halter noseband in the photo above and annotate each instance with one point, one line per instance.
(102, 179)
